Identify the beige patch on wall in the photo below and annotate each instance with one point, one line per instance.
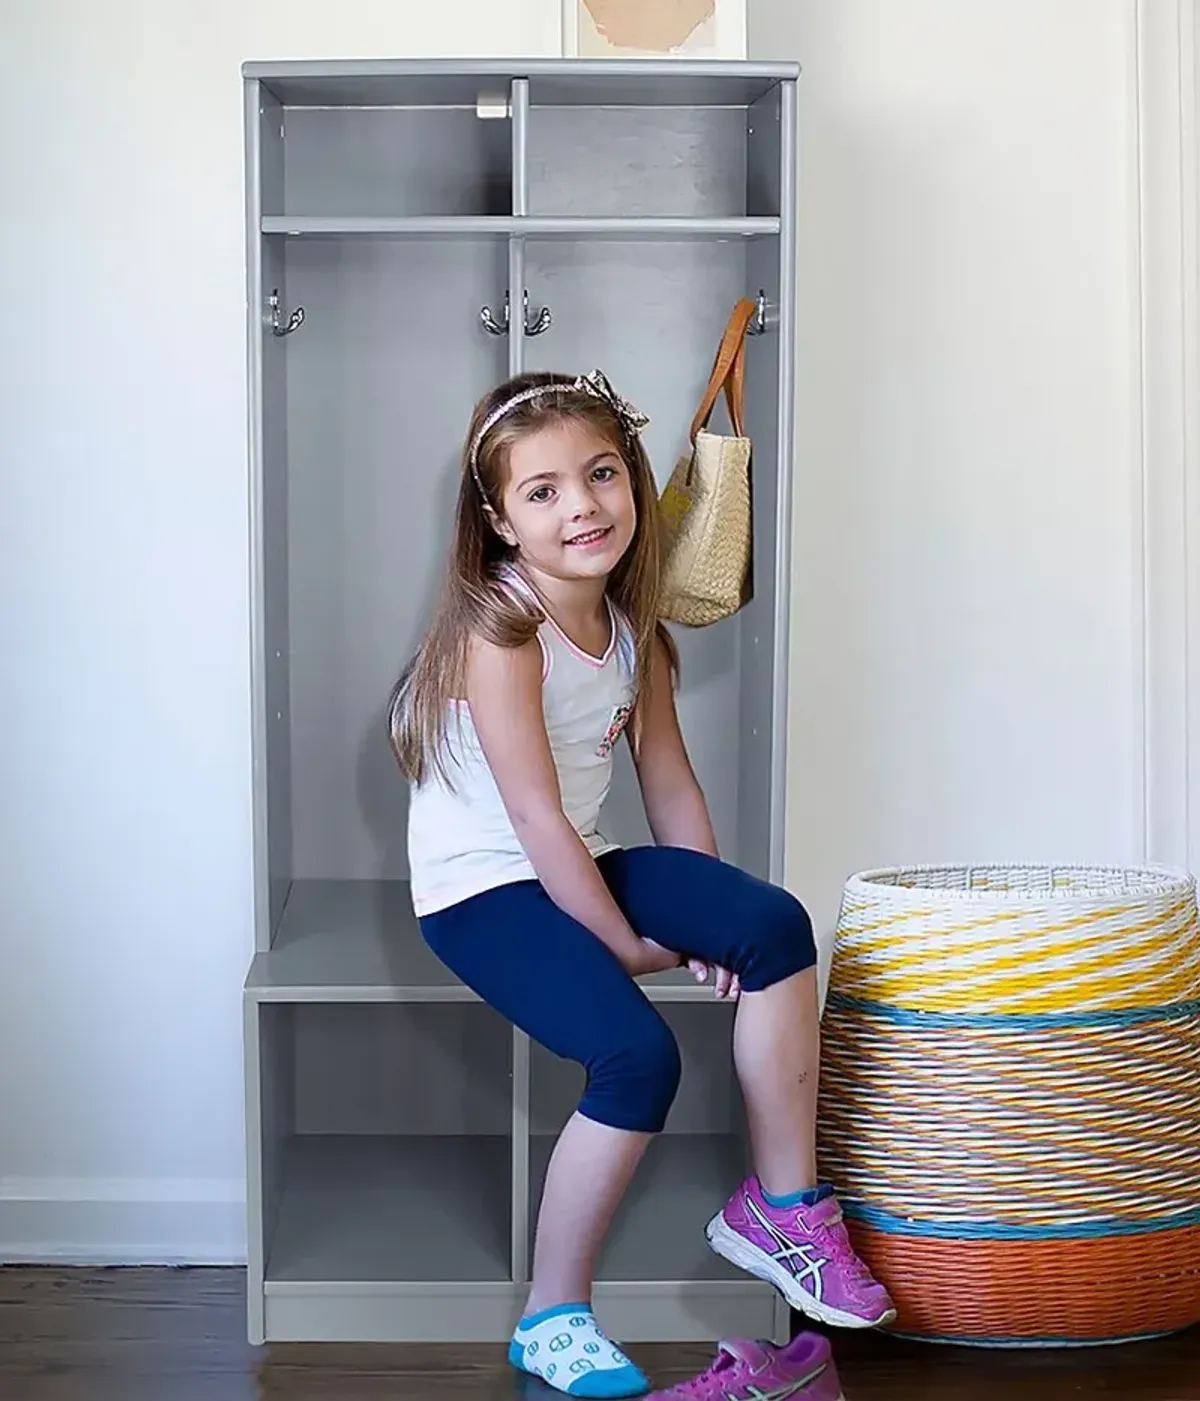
(645, 26)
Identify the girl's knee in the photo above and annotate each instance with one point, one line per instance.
(633, 1085)
(783, 941)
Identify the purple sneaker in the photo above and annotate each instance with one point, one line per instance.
(763, 1372)
(805, 1253)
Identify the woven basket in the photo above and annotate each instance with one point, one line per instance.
(1010, 1099)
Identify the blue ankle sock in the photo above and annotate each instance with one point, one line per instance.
(809, 1197)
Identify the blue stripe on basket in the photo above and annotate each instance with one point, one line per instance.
(891, 1224)
(1023, 1021)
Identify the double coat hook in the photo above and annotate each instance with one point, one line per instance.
(275, 320)
(500, 327)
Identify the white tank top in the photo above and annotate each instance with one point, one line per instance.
(460, 840)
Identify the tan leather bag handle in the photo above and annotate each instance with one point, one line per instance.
(729, 371)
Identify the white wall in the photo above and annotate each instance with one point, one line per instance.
(969, 587)
(968, 644)
(124, 723)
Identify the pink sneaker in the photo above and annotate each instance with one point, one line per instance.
(763, 1372)
(805, 1253)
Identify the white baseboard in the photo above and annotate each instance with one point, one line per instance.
(122, 1221)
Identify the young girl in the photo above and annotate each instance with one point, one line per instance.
(545, 648)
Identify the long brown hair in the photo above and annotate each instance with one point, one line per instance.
(472, 601)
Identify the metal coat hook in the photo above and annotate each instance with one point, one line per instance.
(277, 326)
(499, 326)
(758, 322)
(490, 324)
(540, 324)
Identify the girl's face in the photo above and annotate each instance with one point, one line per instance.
(568, 502)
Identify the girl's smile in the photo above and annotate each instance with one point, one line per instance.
(590, 538)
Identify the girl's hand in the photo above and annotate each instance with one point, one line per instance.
(652, 958)
(727, 985)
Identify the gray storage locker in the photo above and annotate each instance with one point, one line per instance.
(417, 230)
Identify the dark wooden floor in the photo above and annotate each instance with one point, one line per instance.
(179, 1335)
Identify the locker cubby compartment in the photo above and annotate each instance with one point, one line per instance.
(689, 1170)
(650, 313)
(634, 151)
(383, 1145)
(364, 410)
(422, 150)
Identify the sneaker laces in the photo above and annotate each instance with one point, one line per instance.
(837, 1242)
(698, 1385)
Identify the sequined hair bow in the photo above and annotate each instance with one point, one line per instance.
(595, 383)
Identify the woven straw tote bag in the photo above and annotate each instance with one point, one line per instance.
(705, 506)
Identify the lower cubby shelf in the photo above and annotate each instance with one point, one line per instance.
(361, 1208)
(391, 1238)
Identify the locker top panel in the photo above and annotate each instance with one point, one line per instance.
(552, 82)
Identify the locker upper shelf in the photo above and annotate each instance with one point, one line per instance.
(531, 226)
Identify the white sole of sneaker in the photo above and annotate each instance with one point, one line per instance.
(732, 1247)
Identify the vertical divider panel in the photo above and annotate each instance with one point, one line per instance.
(256, 1230)
(267, 462)
(767, 413)
(516, 362)
(516, 299)
(520, 1157)
(273, 651)
(255, 96)
(787, 468)
(270, 1121)
(520, 1056)
(520, 145)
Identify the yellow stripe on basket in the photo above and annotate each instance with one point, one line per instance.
(1089, 976)
(865, 940)
(915, 934)
(958, 975)
(913, 939)
(1124, 989)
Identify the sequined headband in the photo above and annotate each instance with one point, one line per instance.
(594, 382)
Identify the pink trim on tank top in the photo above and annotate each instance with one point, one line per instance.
(519, 585)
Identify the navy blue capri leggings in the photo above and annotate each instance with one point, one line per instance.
(550, 976)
